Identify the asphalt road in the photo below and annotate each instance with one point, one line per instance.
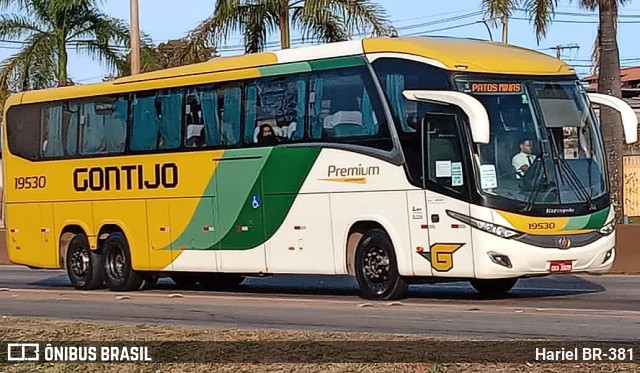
(555, 307)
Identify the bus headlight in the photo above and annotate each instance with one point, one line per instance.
(607, 229)
(495, 229)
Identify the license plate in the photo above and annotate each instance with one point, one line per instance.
(561, 266)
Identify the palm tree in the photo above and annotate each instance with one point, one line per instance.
(324, 20)
(609, 82)
(4, 94)
(173, 53)
(608, 55)
(46, 29)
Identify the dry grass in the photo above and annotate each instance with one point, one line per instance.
(25, 330)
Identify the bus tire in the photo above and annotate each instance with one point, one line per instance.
(83, 265)
(220, 281)
(118, 271)
(377, 269)
(493, 287)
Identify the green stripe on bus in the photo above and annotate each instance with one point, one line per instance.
(577, 222)
(287, 68)
(282, 177)
(598, 219)
(336, 63)
(232, 183)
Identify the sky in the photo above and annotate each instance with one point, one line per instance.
(171, 19)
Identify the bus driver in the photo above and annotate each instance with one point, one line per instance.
(523, 160)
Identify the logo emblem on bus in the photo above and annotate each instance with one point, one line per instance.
(564, 243)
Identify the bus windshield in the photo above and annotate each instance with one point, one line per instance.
(545, 146)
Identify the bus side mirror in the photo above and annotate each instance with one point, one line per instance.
(478, 117)
(629, 117)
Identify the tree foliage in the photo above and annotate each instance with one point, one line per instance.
(47, 29)
(321, 20)
(173, 53)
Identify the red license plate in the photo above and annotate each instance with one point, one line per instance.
(561, 266)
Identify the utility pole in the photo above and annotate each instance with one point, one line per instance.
(505, 29)
(135, 38)
(560, 48)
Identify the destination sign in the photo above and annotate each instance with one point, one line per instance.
(493, 87)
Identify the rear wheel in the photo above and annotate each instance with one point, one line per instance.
(493, 287)
(119, 273)
(377, 269)
(83, 265)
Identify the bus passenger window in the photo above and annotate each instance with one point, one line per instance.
(397, 75)
(60, 130)
(230, 114)
(344, 106)
(70, 119)
(277, 104)
(157, 120)
(195, 130)
(212, 116)
(104, 126)
(337, 107)
(52, 132)
(23, 126)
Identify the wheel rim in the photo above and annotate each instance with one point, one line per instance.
(116, 263)
(376, 269)
(79, 263)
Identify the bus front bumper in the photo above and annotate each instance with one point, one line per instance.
(496, 257)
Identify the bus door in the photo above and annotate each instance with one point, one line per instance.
(240, 214)
(449, 253)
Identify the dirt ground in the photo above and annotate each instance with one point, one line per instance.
(14, 329)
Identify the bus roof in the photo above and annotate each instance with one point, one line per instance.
(473, 55)
(451, 54)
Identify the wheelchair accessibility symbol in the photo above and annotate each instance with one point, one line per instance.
(255, 202)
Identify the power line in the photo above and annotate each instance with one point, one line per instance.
(440, 21)
(577, 14)
(573, 21)
(433, 15)
(443, 29)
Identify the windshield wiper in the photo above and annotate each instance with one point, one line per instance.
(572, 179)
(531, 198)
(575, 182)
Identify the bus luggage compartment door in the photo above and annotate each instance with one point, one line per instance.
(195, 234)
(31, 237)
(240, 216)
(450, 250)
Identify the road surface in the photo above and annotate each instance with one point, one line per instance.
(555, 307)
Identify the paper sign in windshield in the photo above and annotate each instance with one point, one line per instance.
(488, 179)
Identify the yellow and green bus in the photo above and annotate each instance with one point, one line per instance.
(395, 160)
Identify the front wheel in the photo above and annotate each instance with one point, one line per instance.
(83, 265)
(377, 269)
(118, 271)
(493, 287)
